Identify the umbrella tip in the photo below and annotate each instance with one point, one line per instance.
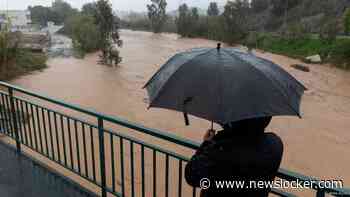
(218, 46)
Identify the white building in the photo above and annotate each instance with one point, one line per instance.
(2, 21)
(19, 19)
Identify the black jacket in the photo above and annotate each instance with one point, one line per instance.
(233, 157)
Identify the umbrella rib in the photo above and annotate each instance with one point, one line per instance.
(220, 85)
(164, 66)
(272, 63)
(188, 61)
(160, 69)
(278, 67)
(263, 74)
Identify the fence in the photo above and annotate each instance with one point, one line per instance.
(117, 163)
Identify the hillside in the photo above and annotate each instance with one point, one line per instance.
(310, 13)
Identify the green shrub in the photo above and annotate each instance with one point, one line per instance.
(347, 21)
(340, 53)
(337, 52)
(15, 61)
(84, 33)
(31, 61)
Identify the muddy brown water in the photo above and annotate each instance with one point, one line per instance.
(317, 145)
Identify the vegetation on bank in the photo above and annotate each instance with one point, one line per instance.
(15, 61)
(336, 52)
(83, 31)
(141, 22)
(285, 27)
(94, 28)
(298, 29)
(57, 13)
(157, 14)
(347, 21)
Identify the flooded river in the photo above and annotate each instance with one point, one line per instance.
(317, 145)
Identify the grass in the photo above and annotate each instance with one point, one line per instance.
(337, 52)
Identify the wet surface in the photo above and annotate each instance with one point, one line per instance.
(21, 177)
(61, 46)
(317, 145)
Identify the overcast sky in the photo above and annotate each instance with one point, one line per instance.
(125, 5)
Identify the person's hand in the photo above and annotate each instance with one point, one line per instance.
(209, 135)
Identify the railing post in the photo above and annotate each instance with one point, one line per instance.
(14, 120)
(102, 156)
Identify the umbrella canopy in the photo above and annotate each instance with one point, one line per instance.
(224, 85)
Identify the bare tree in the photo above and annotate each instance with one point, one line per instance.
(157, 14)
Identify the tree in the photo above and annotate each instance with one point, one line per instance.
(194, 15)
(329, 30)
(89, 9)
(84, 32)
(182, 20)
(280, 7)
(188, 21)
(213, 9)
(57, 13)
(8, 46)
(157, 14)
(61, 11)
(236, 17)
(330, 25)
(194, 22)
(259, 5)
(40, 15)
(96, 28)
(347, 21)
(108, 28)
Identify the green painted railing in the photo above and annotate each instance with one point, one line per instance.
(119, 164)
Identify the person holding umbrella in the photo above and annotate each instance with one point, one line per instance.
(240, 92)
(241, 153)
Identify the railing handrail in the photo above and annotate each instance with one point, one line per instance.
(282, 173)
(154, 132)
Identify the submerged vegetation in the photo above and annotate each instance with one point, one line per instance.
(94, 28)
(83, 31)
(15, 61)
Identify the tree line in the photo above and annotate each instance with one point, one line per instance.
(238, 18)
(297, 28)
(57, 13)
(251, 22)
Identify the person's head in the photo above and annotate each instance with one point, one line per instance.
(251, 126)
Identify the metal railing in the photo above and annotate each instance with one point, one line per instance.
(119, 164)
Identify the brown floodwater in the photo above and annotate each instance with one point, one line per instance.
(316, 145)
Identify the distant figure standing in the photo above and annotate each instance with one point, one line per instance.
(241, 152)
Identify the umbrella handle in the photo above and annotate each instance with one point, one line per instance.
(187, 122)
(187, 100)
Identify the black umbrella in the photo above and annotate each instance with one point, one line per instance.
(224, 85)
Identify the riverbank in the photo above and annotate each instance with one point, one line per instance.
(336, 52)
(17, 56)
(23, 63)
